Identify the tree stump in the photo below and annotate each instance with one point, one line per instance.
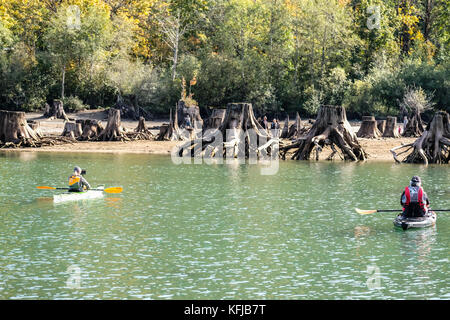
(141, 132)
(433, 146)
(239, 136)
(165, 132)
(90, 129)
(72, 129)
(187, 123)
(390, 130)
(414, 127)
(215, 120)
(56, 111)
(129, 109)
(113, 130)
(14, 129)
(369, 128)
(381, 124)
(284, 132)
(36, 126)
(330, 128)
(295, 130)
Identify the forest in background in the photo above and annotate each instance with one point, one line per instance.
(280, 55)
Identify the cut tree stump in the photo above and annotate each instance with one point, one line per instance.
(381, 124)
(72, 129)
(15, 131)
(330, 128)
(131, 110)
(166, 130)
(141, 132)
(295, 130)
(390, 130)
(433, 146)
(90, 129)
(239, 136)
(415, 125)
(216, 119)
(187, 124)
(56, 111)
(113, 130)
(369, 128)
(285, 130)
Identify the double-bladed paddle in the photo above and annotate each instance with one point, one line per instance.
(391, 210)
(107, 190)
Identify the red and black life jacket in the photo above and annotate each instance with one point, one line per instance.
(415, 198)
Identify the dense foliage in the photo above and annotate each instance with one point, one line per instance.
(280, 55)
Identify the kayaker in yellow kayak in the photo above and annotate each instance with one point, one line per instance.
(77, 183)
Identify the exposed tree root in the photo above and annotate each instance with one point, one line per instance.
(239, 136)
(433, 146)
(330, 128)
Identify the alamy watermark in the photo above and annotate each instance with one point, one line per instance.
(373, 277)
(73, 17)
(74, 279)
(374, 20)
(239, 147)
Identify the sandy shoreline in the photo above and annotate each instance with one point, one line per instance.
(378, 149)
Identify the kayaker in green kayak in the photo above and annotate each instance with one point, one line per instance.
(414, 199)
(77, 183)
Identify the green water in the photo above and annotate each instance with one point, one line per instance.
(217, 231)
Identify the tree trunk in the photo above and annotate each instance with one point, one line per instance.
(56, 111)
(381, 124)
(15, 130)
(433, 146)
(63, 80)
(113, 130)
(414, 127)
(330, 128)
(239, 136)
(72, 129)
(391, 128)
(369, 128)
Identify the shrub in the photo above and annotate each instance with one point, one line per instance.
(74, 104)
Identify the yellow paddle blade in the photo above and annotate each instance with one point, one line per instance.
(46, 188)
(365, 211)
(113, 190)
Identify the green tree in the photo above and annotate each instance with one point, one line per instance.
(75, 37)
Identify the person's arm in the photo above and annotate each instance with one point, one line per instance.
(84, 182)
(403, 199)
(427, 201)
